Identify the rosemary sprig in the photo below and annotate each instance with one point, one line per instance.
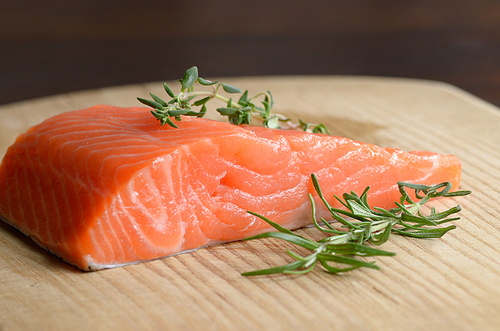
(339, 251)
(238, 112)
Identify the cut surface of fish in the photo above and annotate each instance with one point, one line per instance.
(108, 186)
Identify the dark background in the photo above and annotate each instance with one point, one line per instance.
(49, 47)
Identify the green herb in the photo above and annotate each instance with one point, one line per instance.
(339, 251)
(238, 112)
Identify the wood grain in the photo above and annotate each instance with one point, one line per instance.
(445, 284)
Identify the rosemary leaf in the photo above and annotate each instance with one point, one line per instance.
(374, 225)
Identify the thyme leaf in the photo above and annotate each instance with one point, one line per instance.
(240, 112)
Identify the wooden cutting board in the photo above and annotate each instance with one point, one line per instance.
(452, 283)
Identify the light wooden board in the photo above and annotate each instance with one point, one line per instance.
(451, 283)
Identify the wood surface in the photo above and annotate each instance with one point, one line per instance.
(450, 283)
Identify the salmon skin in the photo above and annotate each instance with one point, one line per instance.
(106, 186)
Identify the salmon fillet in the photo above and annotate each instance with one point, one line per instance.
(108, 186)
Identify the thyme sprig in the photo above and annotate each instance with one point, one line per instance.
(340, 251)
(238, 112)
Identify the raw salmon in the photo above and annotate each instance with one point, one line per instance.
(108, 186)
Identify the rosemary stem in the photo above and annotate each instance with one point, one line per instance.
(338, 252)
